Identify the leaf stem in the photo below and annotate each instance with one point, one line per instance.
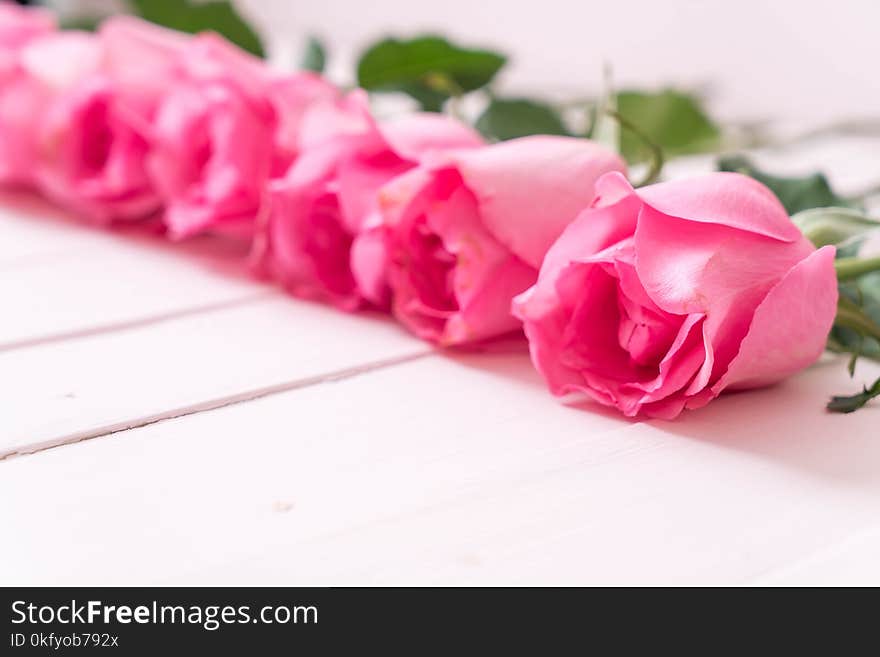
(850, 316)
(657, 159)
(849, 268)
(850, 403)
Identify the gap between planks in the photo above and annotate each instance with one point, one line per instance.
(214, 404)
(135, 323)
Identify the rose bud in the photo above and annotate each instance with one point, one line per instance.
(657, 299)
(328, 196)
(467, 232)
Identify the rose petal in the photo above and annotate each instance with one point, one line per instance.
(530, 189)
(725, 199)
(789, 327)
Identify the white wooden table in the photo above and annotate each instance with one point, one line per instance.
(167, 420)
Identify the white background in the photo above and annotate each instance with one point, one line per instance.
(763, 59)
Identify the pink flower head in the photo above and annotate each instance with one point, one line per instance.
(46, 67)
(328, 197)
(467, 232)
(20, 98)
(657, 299)
(94, 134)
(224, 128)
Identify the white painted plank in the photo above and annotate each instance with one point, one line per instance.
(31, 228)
(852, 562)
(106, 280)
(450, 470)
(74, 389)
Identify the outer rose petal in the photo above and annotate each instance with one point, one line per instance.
(413, 136)
(530, 189)
(337, 118)
(790, 326)
(61, 59)
(369, 265)
(594, 230)
(140, 55)
(727, 199)
(19, 25)
(22, 103)
(293, 97)
(208, 56)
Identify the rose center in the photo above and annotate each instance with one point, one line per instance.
(98, 137)
(645, 333)
(432, 271)
(329, 245)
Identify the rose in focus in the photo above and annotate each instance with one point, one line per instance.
(658, 299)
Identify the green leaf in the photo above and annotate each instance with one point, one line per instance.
(673, 120)
(796, 194)
(315, 56)
(823, 226)
(429, 99)
(519, 117)
(85, 23)
(850, 403)
(428, 68)
(194, 17)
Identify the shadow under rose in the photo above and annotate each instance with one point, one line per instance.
(508, 357)
(788, 424)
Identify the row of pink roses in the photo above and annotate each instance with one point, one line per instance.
(651, 300)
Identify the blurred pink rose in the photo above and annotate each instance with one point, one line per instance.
(94, 134)
(467, 232)
(93, 147)
(46, 67)
(225, 126)
(327, 197)
(19, 25)
(20, 99)
(657, 299)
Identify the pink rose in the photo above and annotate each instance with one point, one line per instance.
(657, 299)
(45, 68)
(93, 145)
(467, 232)
(20, 99)
(327, 197)
(94, 135)
(224, 128)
